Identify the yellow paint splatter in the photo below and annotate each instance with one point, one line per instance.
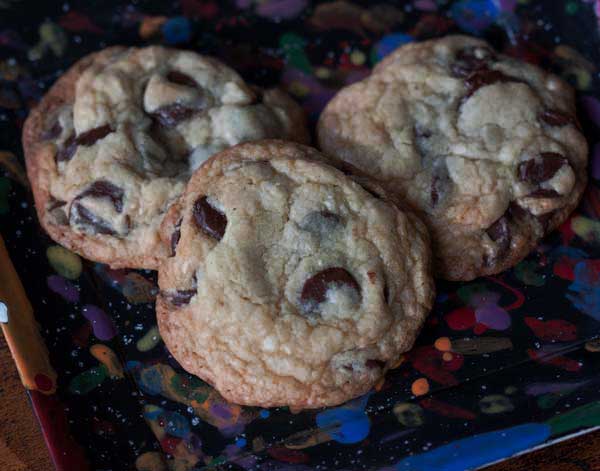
(65, 262)
(586, 228)
(420, 387)
(298, 89)
(358, 57)
(150, 340)
(108, 358)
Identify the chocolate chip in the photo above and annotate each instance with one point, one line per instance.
(556, 117)
(52, 133)
(375, 364)
(175, 237)
(104, 189)
(536, 171)
(484, 77)
(85, 139)
(470, 59)
(67, 151)
(314, 291)
(55, 204)
(499, 232)
(180, 297)
(80, 215)
(320, 223)
(544, 193)
(386, 293)
(435, 194)
(90, 137)
(181, 79)
(209, 219)
(440, 182)
(170, 116)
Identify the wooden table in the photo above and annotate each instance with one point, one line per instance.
(22, 447)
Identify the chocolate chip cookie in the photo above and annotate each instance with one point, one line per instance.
(288, 282)
(486, 148)
(112, 144)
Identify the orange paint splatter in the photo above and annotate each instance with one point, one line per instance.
(420, 387)
(447, 356)
(443, 344)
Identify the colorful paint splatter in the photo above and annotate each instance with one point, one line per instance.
(504, 364)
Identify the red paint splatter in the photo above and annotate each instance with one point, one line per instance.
(447, 410)
(520, 298)
(479, 328)
(286, 455)
(168, 444)
(429, 361)
(462, 318)
(561, 362)
(79, 23)
(566, 231)
(557, 329)
(65, 452)
(564, 268)
(199, 9)
(42, 382)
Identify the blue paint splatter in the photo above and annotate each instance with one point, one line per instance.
(584, 292)
(176, 424)
(387, 44)
(264, 414)
(177, 30)
(474, 15)
(491, 446)
(348, 423)
(240, 442)
(150, 381)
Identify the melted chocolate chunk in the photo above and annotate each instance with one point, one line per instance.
(314, 291)
(85, 139)
(52, 133)
(544, 193)
(485, 77)
(375, 364)
(422, 132)
(435, 193)
(170, 116)
(386, 293)
(558, 118)
(536, 171)
(81, 215)
(471, 59)
(67, 151)
(105, 189)
(90, 137)
(209, 219)
(499, 232)
(175, 237)
(55, 204)
(180, 297)
(181, 79)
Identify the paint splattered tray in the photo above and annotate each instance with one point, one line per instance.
(511, 361)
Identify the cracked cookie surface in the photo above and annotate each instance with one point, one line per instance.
(487, 149)
(288, 282)
(112, 144)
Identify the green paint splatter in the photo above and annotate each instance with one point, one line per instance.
(548, 401)
(293, 50)
(571, 8)
(526, 272)
(84, 382)
(190, 388)
(4, 190)
(584, 416)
